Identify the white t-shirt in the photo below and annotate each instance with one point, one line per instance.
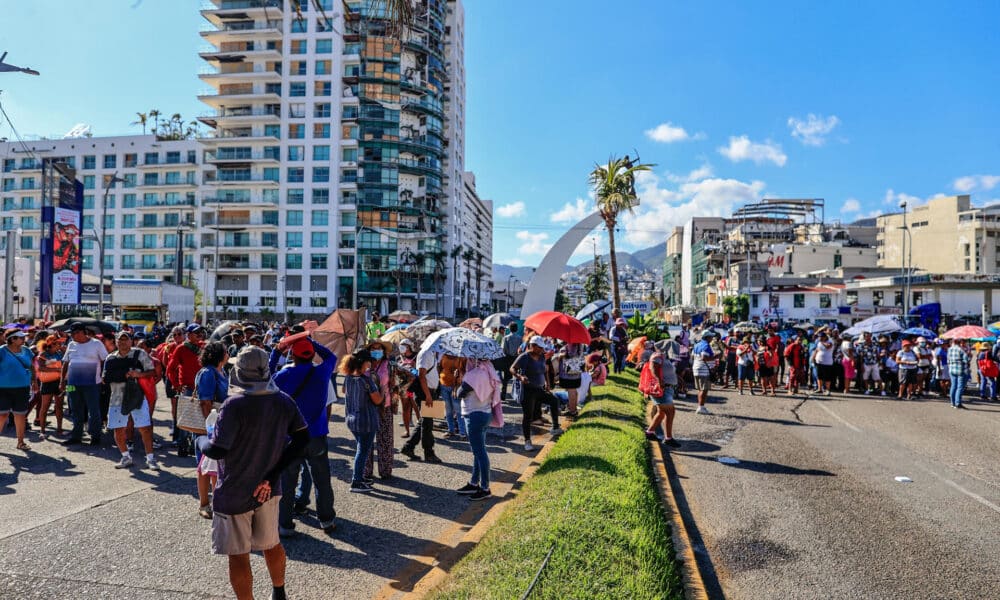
(86, 361)
(824, 353)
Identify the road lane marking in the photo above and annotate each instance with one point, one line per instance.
(972, 495)
(839, 418)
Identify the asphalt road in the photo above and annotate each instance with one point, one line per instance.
(813, 509)
(71, 526)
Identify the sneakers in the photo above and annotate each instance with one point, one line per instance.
(826, 393)
(409, 453)
(152, 465)
(205, 512)
(300, 508)
(556, 431)
(528, 447)
(467, 489)
(328, 527)
(480, 495)
(650, 434)
(361, 487)
(702, 411)
(883, 392)
(432, 458)
(672, 443)
(130, 446)
(286, 532)
(124, 463)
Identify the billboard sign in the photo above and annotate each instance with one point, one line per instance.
(62, 207)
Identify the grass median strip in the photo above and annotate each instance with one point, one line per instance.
(593, 505)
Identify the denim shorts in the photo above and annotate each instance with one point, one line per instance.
(667, 399)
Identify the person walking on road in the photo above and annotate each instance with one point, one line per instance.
(959, 369)
(120, 366)
(308, 385)
(81, 380)
(664, 370)
(361, 401)
(423, 433)
(530, 369)
(479, 393)
(702, 359)
(511, 342)
(383, 371)
(15, 385)
(907, 361)
(251, 442)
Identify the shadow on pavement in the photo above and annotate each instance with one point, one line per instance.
(766, 420)
(696, 446)
(765, 467)
(34, 464)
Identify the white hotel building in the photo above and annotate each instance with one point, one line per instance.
(332, 175)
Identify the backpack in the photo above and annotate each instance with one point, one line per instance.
(649, 383)
(988, 367)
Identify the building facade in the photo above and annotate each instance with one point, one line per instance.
(332, 174)
(946, 235)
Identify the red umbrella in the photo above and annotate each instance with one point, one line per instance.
(559, 326)
(967, 332)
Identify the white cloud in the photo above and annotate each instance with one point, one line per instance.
(508, 211)
(586, 248)
(812, 131)
(668, 133)
(893, 198)
(571, 212)
(741, 148)
(534, 243)
(702, 172)
(973, 183)
(851, 205)
(661, 209)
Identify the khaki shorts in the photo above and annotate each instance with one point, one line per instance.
(253, 530)
(702, 384)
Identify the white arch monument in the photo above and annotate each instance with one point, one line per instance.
(541, 292)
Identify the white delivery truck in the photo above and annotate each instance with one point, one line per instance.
(142, 302)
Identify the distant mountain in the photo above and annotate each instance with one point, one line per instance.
(647, 259)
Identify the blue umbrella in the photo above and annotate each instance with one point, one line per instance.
(919, 331)
(397, 327)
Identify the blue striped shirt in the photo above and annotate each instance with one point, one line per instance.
(958, 361)
(359, 411)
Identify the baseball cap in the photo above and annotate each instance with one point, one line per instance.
(303, 349)
(15, 334)
(193, 328)
(406, 342)
(620, 321)
(123, 334)
(537, 340)
(907, 343)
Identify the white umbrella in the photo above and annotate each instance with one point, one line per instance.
(876, 325)
(459, 341)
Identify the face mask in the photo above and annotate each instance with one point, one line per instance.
(376, 354)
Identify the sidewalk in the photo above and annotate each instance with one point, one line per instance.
(75, 527)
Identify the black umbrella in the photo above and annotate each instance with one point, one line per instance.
(591, 309)
(222, 330)
(94, 325)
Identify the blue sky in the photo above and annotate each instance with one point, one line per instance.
(857, 103)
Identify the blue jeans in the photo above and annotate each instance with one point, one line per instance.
(958, 383)
(85, 403)
(366, 439)
(987, 387)
(476, 424)
(452, 411)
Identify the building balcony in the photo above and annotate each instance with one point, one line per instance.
(166, 165)
(231, 201)
(21, 207)
(239, 224)
(161, 205)
(164, 226)
(259, 74)
(259, 30)
(228, 137)
(420, 145)
(252, 246)
(219, 11)
(221, 157)
(240, 51)
(220, 98)
(167, 186)
(235, 117)
(224, 179)
(424, 105)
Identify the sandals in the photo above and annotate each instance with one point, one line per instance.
(205, 511)
(22, 446)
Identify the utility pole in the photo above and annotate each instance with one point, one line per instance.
(100, 243)
(8, 278)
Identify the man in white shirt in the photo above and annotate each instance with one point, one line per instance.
(81, 378)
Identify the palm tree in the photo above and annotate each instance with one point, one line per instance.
(419, 259)
(479, 279)
(614, 191)
(439, 277)
(142, 118)
(468, 256)
(154, 114)
(455, 253)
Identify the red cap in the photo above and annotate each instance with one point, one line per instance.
(303, 349)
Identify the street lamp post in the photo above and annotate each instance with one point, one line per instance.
(100, 284)
(100, 243)
(179, 260)
(906, 261)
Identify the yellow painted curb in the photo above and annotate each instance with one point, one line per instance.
(431, 567)
(694, 584)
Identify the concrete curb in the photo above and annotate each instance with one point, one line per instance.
(429, 569)
(694, 583)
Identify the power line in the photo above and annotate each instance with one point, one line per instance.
(16, 134)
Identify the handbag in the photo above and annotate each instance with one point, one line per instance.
(189, 415)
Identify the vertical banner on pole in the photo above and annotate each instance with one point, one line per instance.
(61, 262)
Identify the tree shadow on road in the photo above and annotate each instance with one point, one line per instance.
(768, 468)
(34, 464)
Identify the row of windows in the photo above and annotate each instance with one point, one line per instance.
(109, 161)
(322, 46)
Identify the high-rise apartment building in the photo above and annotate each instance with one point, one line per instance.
(332, 175)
